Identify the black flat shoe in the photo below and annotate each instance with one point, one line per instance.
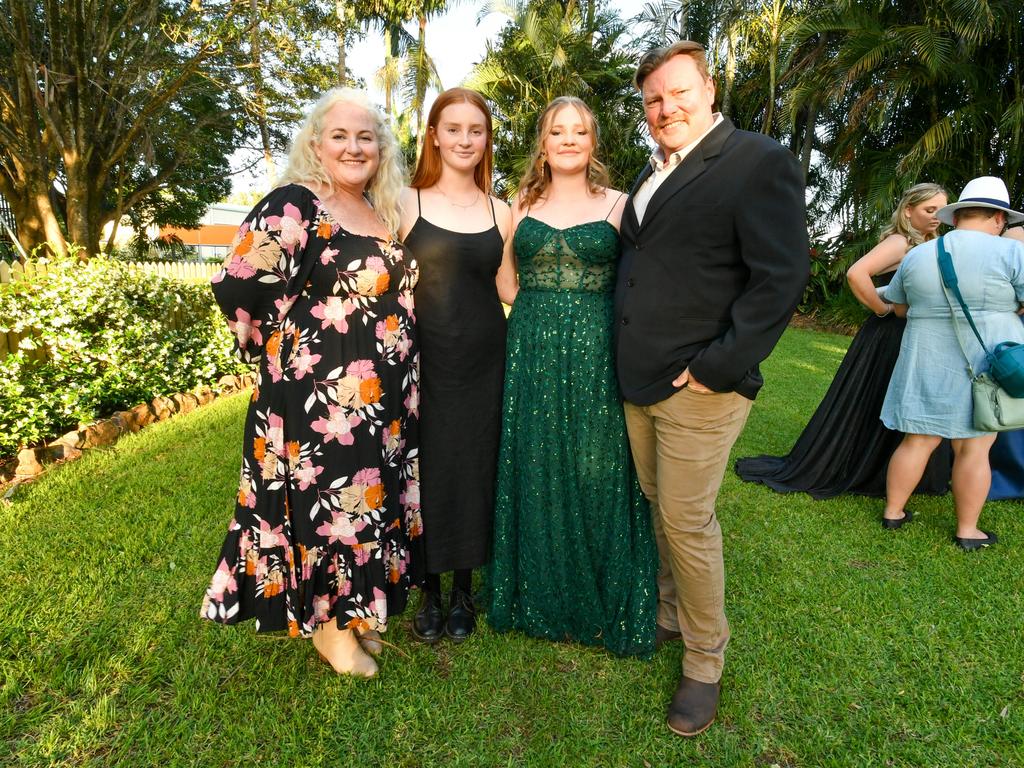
(969, 545)
(461, 616)
(894, 525)
(428, 624)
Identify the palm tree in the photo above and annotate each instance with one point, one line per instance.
(662, 22)
(918, 90)
(554, 48)
(421, 73)
(407, 64)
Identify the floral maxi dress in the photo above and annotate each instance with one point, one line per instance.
(327, 520)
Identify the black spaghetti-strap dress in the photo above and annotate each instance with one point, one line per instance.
(461, 326)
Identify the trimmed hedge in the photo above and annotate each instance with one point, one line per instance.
(114, 336)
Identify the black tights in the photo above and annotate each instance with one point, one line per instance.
(463, 580)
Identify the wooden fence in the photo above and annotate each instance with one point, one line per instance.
(192, 271)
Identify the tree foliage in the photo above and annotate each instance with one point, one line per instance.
(107, 104)
(285, 60)
(916, 91)
(550, 49)
(132, 107)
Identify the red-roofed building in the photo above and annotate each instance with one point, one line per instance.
(216, 230)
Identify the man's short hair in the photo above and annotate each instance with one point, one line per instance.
(653, 59)
(975, 212)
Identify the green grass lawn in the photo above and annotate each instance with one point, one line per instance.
(851, 646)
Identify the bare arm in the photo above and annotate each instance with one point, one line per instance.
(1015, 233)
(882, 258)
(507, 280)
(615, 216)
(409, 212)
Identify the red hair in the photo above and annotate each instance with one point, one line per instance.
(428, 169)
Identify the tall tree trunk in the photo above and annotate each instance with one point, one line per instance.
(684, 19)
(345, 15)
(259, 99)
(769, 116)
(809, 132)
(390, 54)
(115, 222)
(36, 218)
(730, 71)
(421, 97)
(83, 208)
(342, 58)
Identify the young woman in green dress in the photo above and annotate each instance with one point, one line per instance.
(574, 557)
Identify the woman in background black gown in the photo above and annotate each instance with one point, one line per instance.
(458, 232)
(845, 448)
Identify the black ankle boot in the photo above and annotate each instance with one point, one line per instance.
(428, 626)
(461, 616)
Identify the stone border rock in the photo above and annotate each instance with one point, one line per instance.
(107, 431)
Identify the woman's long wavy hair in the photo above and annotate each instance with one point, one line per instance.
(428, 169)
(900, 224)
(537, 177)
(304, 167)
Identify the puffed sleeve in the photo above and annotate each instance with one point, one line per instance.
(267, 265)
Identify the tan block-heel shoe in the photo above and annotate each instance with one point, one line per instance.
(341, 649)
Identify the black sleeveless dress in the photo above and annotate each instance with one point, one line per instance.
(461, 326)
(845, 448)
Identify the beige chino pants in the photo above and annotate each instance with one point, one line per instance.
(681, 448)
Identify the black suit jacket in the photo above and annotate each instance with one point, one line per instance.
(712, 275)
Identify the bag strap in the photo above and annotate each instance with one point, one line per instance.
(956, 330)
(950, 282)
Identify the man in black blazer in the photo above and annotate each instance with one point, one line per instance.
(714, 261)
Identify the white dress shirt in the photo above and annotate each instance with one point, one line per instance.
(663, 168)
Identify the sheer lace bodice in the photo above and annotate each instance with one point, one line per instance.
(578, 258)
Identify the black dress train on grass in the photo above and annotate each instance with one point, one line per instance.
(845, 448)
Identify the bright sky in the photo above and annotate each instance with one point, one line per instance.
(455, 42)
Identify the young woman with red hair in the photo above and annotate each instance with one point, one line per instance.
(458, 232)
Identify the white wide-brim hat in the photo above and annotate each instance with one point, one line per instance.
(982, 192)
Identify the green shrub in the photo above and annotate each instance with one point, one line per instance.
(831, 256)
(113, 336)
(842, 312)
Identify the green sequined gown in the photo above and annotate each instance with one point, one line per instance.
(574, 554)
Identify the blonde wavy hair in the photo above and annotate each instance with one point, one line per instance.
(900, 224)
(304, 167)
(537, 177)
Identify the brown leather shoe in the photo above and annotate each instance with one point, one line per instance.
(662, 635)
(694, 706)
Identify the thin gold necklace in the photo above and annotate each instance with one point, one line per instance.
(470, 204)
